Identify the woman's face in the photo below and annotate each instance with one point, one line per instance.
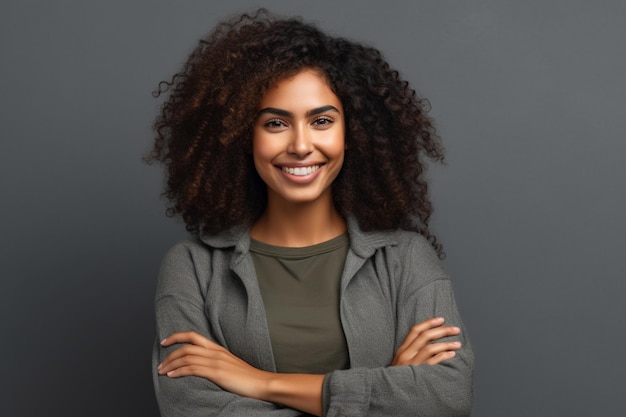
(298, 144)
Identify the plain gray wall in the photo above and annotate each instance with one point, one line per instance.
(529, 97)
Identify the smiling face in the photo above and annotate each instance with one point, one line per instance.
(298, 144)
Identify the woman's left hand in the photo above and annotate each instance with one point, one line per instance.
(422, 344)
(203, 358)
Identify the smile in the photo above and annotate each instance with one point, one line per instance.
(301, 171)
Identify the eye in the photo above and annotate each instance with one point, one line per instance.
(323, 122)
(275, 124)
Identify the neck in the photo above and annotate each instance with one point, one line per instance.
(298, 225)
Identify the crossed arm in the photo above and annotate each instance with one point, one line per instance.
(203, 358)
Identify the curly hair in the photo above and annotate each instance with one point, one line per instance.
(204, 129)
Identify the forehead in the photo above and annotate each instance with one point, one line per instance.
(305, 90)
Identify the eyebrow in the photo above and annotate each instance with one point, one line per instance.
(285, 113)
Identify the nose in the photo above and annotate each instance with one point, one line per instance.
(301, 143)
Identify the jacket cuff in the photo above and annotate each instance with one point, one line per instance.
(346, 393)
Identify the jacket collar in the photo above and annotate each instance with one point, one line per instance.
(363, 243)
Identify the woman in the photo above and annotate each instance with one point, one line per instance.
(312, 285)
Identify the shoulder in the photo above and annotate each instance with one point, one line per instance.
(193, 261)
(402, 242)
(414, 249)
(416, 244)
(199, 249)
(419, 258)
(405, 254)
(180, 266)
(411, 259)
(184, 252)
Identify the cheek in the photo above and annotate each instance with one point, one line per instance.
(338, 144)
(261, 154)
(259, 147)
(260, 161)
(263, 170)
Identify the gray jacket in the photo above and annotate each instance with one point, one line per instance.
(391, 281)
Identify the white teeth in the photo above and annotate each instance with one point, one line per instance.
(301, 171)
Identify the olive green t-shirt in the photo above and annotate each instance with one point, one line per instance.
(300, 291)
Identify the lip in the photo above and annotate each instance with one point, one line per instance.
(298, 164)
(300, 179)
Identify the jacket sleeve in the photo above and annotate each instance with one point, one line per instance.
(423, 291)
(180, 307)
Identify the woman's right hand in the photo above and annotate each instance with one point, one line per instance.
(421, 346)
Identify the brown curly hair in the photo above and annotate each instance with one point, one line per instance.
(204, 129)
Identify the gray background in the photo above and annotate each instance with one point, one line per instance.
(529, 97)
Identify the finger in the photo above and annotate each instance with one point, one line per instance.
(423, 345)
(191, 370)
(208, 364)
(189, 365)
(187, 350)
(417, 329)
(428, 336)
(426, 354)
(433, 350)
(440, 357)
(183, 361)
(431, 336)
(186, 337)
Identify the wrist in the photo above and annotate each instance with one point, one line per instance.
(299, 391)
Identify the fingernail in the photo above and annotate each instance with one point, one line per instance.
(163, 341)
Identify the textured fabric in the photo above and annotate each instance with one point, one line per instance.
(300, 291)
(391, 281)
